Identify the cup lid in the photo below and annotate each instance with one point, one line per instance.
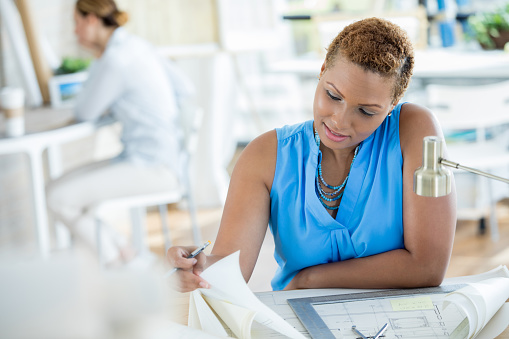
(12, 97)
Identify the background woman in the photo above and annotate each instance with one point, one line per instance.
(142, 91)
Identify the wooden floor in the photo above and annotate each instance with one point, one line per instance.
(473, 253)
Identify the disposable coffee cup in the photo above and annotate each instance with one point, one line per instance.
(12, 104)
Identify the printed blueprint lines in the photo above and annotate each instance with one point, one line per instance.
(405, 318)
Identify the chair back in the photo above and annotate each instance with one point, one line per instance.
(470, 107)
(475, 121)
(189, 119)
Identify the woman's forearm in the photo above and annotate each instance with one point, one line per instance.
(393, 269)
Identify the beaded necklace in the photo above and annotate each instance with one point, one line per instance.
(320, 181)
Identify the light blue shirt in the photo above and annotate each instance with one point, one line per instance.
(138, 87)
(369, 219)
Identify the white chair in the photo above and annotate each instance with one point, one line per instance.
(475, 120)
(190, 122)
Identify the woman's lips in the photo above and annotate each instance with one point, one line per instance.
(336, 137)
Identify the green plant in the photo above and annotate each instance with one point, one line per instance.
(488, 25)
(72, 65)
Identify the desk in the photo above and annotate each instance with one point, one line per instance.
(429, 64)
(445, 63)
(46, 129)
(278, 300)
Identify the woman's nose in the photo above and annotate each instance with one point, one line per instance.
(339, 118)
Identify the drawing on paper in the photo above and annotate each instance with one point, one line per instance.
(419, 317)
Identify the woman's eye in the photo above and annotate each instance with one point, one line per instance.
(332, 96)
(365, 112)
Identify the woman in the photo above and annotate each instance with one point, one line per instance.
(337, 191)
(138, 88)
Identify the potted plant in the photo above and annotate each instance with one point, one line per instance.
(72, 65)
(67, 81)
(491, 28)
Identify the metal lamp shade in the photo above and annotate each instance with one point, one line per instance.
(432, 179)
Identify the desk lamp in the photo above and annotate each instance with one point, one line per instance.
(432, 179)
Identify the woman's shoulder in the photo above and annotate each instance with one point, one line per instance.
(127, 49)
(415, 123)
(289, 131)
(262, 143)
(258, 159)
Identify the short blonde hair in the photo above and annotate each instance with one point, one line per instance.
(379, 46)
(106, 10)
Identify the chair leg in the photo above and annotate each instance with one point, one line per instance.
(482, 226)
(494, 225)
(192, 211)
(98, 226)
(138, 215)
(63, 235)
(163, 212)
(194, 223)
(493, 215)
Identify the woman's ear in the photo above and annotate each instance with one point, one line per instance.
(392, 108)
(322, 70)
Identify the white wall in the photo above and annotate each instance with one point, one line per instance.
(162, 22)
(55, 28)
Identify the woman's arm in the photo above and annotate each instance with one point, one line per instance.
(428, 229)
(103, 87)
(245, 215)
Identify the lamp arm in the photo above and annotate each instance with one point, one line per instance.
(471, 170)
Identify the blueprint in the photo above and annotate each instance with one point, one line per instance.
(422, 317)
(406, 317)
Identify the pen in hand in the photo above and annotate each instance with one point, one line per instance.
(190, 256)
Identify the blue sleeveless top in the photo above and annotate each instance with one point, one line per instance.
(369, 219)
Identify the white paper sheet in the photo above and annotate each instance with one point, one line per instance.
(228, 284)
(239, 319)
(481, 301)
(202, 317)
(496, 325)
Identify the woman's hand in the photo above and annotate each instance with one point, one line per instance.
(187, 277)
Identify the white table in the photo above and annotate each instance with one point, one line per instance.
(277, 300)
(46, 129)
